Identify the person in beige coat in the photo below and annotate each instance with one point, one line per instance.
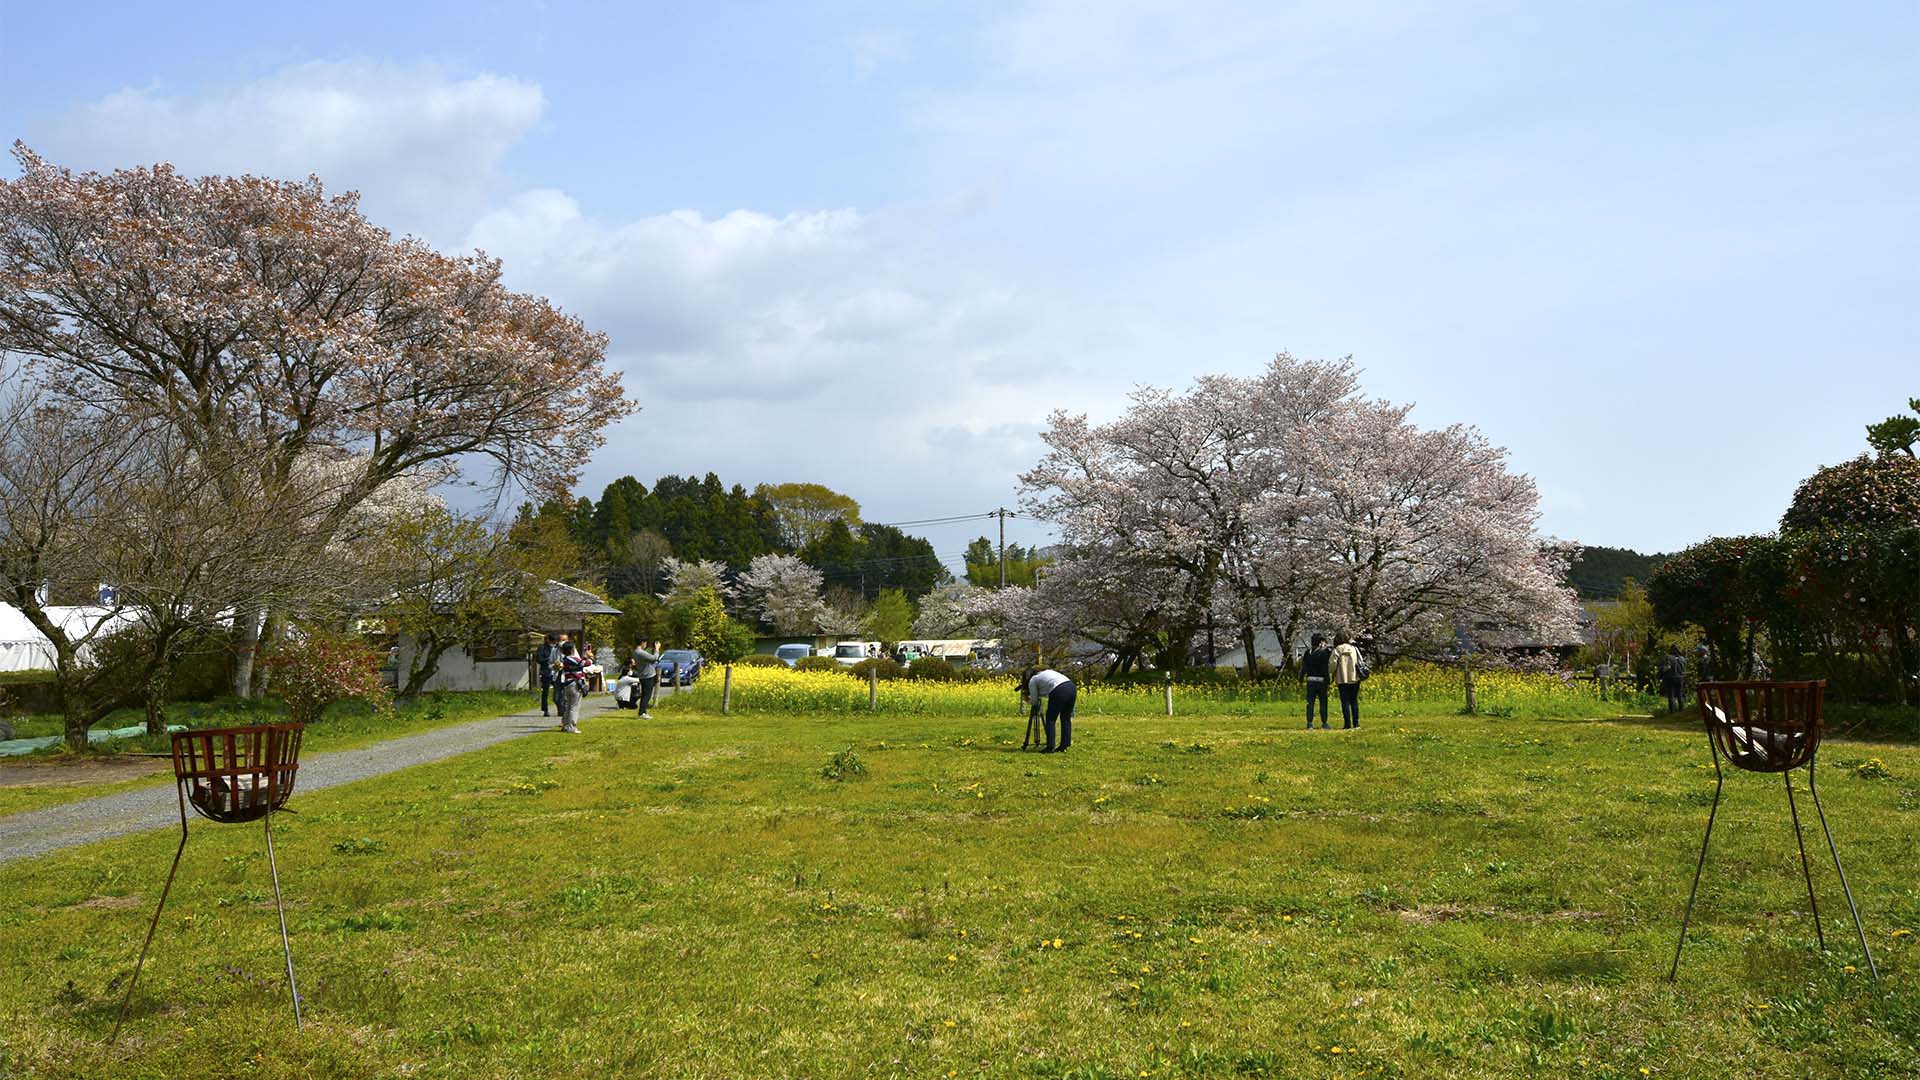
(1346, 676)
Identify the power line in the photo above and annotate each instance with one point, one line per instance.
(954, 520)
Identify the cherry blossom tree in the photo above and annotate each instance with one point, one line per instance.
(685, 580)
(267, 321)
(783, 592)
(1420, 531)
(1280, 501)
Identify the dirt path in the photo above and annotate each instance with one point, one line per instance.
(80, 773)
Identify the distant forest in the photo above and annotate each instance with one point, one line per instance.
(1597, 572)
(630, 529)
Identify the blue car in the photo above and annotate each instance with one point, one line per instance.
(792, 654)
(680, 667)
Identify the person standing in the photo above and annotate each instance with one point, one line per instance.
(1346, 674)
(543, 658)
(646, 668)
(1673, 677)
(1314, 665)
(1057, 693)
(573, 687)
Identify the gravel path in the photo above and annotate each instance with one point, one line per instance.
(36, 832)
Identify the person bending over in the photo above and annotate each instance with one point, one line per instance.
(1054, 691)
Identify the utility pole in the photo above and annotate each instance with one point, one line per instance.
(1002, 515)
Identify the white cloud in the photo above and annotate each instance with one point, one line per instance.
(422, 144)
(875, 49)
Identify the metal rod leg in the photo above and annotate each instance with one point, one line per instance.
(1844, 888)
(1805, 870)
(1688, 917)
(285, 945)
(127, 1002)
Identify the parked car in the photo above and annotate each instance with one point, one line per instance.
(792, 654)
(852, 652)
(680, 667)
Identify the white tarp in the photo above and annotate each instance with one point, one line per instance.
(24, 648)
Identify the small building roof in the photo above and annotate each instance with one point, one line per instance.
(561, 599)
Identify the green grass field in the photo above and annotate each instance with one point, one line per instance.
(348, 725)
(1433, 895)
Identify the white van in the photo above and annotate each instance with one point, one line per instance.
(852, 652)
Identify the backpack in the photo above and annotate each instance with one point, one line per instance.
(1363, 669)
(1673, 667)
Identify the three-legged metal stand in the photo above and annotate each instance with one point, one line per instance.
(286, 946)
(1806, 870)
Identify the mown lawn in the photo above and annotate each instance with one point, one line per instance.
(348, 725)
(1429, 896)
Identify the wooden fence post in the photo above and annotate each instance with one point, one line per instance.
(1169, 689)
(726, 690)
(873, 689)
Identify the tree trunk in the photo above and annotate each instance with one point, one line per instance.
(425, 665)
(1246, 641)
(157, 702)
(1473, 702)
(273, 628)
(246, 642)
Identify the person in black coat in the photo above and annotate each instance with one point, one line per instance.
(544, 658)
(1314, 666)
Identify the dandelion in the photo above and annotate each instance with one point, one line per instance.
(1336, 1050)
(950, 1023)
(1899, 933)
(1146, 969)
(951, 958)
(1850, 969)
(1286, 918)
(1057, 943)
(1194, 940)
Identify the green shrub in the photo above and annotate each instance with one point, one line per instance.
(760, 660)
(879, 665)
(932, 669)
(819, 663)
(844, 763)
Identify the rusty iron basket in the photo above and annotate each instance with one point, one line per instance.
(1769, 727)
(1764, 726)
(231, 775)
(237, 774)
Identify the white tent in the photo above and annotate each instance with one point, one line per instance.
(24, 648)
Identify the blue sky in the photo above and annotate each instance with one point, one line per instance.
(1663, 253)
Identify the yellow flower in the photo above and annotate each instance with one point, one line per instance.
(1337, 1050)
(950, 1023)
(1850, 969)
(1056, 943)
(951, 958)
(1194, 940)
(1286, 918)
(1146, 969)
(1899, 933)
